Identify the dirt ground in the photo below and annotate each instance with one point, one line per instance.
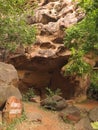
(50, 119)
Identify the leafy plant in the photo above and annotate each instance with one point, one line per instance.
(93, 89)
(76, 64)
(14, 123)
(94, 125)
(51, 93)
(94, 80)
(13, 26)
(82, 38)
(29, 94)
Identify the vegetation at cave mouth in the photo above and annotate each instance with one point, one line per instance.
(82, 39)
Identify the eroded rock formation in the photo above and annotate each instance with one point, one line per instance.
(40, 65)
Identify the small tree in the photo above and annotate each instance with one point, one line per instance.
(13, 27)
(82, 39)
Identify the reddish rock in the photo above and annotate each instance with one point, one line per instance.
(73, 117)
(71, 113)
(13, 109)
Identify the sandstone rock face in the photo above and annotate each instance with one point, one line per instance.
(8, 82)
(40, 66)
(13, 109)
(81, 87)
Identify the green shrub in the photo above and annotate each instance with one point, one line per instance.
(94, 125)
(28, 95)
(14, 30)
(82, 38)
(76, 64)
(14, 123)
(51, 93)
(94, 80)
(93, 89)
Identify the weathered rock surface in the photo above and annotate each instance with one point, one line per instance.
(8, 82)
(83, 124)
(71, 114)
(79, 117)
(13, 109)
(54, 103)
(93, 114)
(40, 65)
(8, 74)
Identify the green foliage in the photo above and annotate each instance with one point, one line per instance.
(94, 80)
(29, 94)
(86, 4)
(13, 27)
(93, 89)
(84, 35)
(14, 123)
(94, 125)
(51, 93)
(11, 6)
(83, 38)
(76, 64)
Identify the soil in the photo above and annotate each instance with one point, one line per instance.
(50, 119)
(89, 104)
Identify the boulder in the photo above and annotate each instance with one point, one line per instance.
(8, 83)
(70, 114)
(83, 124)
(93, 114)
(13, 109)
(8, 74)
(6, 91)
(54, 103)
